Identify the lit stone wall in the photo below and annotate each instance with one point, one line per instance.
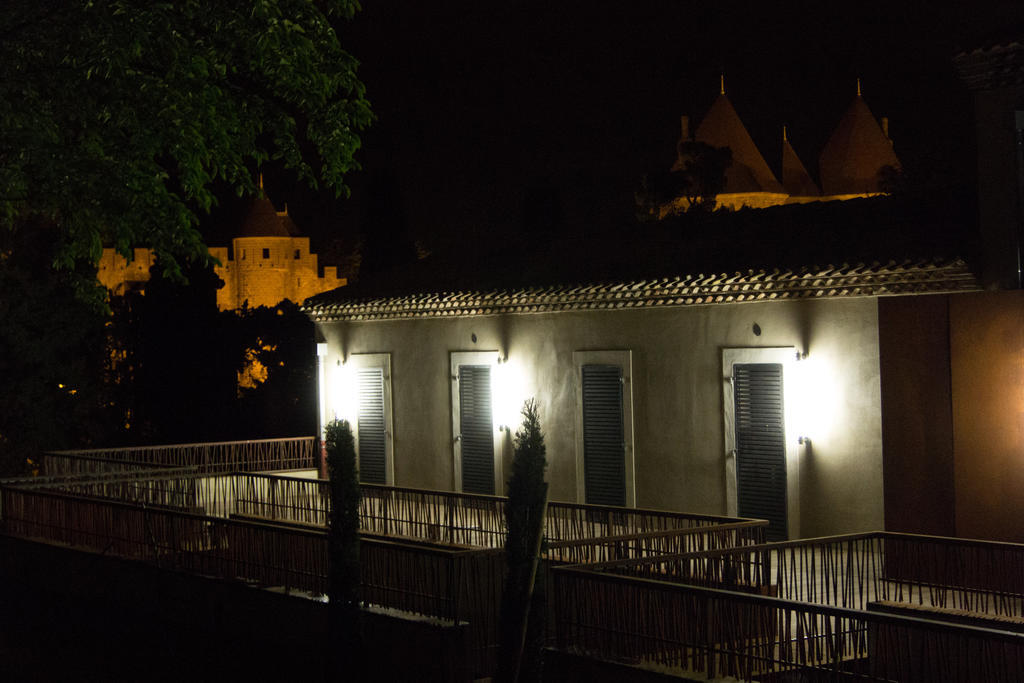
(677, 391)
(118, 274)
(289, 271)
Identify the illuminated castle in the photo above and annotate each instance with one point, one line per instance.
(850, 163)
(267, 263)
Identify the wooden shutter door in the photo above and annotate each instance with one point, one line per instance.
(371, 426)
(476, 427)
(604, 450)
(760, 444)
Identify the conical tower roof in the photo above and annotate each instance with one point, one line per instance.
(749, 171)
(795, 177)
(263, 221)
(856, 152)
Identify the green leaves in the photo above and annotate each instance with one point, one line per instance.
(118, 116)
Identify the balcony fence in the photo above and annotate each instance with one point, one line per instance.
(258, 455)
(705, 632)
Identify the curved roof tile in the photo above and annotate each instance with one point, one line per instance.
(906, 277)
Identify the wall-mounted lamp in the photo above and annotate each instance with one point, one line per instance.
(508, 393)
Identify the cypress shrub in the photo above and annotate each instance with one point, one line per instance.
(523, 605)
(345, 631)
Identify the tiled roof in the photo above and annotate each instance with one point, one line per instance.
(918, 277)
(992, 66)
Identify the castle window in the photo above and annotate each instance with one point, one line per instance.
(297, 253)
(266, 253)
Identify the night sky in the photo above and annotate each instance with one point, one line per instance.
(493, 115)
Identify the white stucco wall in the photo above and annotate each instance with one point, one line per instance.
(677, 396)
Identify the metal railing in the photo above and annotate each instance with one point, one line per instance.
(711, 632)
(576, 532)
(454, 585)
(647, 544)
(478, 520)
(258, 455)
(856, 570)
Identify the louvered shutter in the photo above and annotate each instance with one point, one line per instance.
(761, 444)
(604, 450)
(371, 426)
(476, 428)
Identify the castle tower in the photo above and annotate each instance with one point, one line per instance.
(858, 149)
(749, 181)
(270, 262)
(795, 178)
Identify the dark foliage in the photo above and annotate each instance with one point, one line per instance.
(343, 579)
(281, 340)
(178, 359)
(698, 176)
(118, 118)
(523, 599)
(52, 353)
(702, 173)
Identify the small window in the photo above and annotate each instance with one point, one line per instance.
(298, 253)
(266, 253)
(243, 254)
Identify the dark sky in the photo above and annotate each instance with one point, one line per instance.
(487, 110)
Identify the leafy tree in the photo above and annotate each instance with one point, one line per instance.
(523, 611)
(345, 634)
(701, 171)
(281, 341)
(178, 359)
(52, 352)
(697, 177)
(118, 117)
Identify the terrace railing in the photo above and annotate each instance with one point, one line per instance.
(260, 455)
(647, 544)
(437, 516)
(454, 585)
(710, 632)
(858, 570)
(479, 520)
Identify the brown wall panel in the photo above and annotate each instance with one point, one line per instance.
(917, 430)
(987, 350)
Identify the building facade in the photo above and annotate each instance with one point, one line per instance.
(756, 395)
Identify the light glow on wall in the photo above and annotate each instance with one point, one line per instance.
(813, 397)
(508, 394)
(344, 404)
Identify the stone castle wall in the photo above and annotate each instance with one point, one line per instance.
(263, 272)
